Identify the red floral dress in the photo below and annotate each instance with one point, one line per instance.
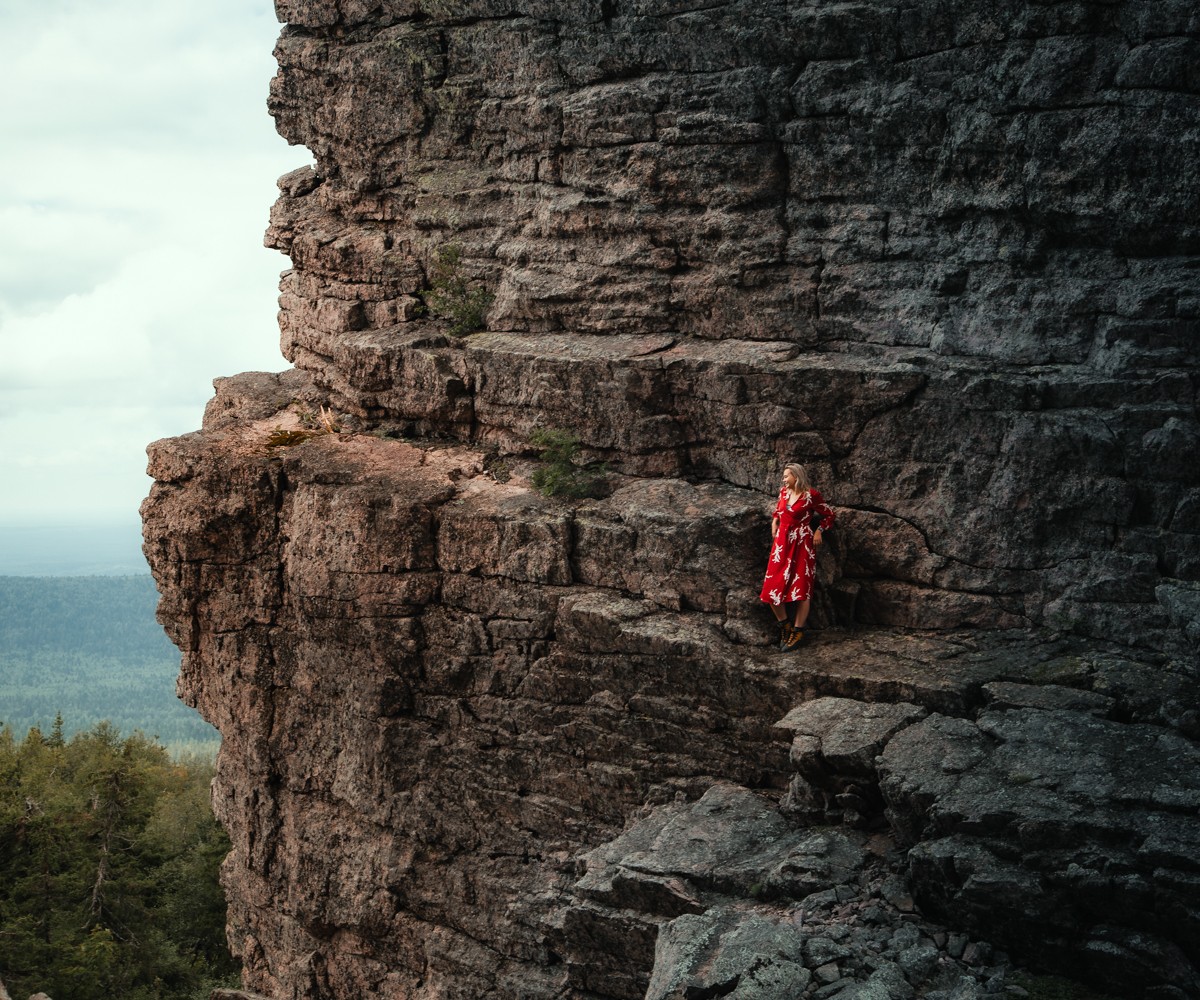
(792, 562)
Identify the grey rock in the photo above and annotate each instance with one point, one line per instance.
(897, 892)
(1002, 694)
(977, 953)
(874, 915)
(844, 736)
(1182, 603)
(813, 860)
(833, 751)
(892, 977)
(904, 937)
(828, 973)
(727, 953)
(1146, 692)
(821, 951)
(917, 962)
(967, 988)
(730, 841)
(824, 899)
(887, 982)
(1055, 782)
(627, 905)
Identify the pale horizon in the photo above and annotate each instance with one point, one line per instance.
(97, 549)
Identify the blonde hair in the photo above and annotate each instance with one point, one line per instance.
(802, 483)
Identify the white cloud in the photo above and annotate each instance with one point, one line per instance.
(138, 174)
(50, 251)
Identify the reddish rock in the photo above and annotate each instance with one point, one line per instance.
(927, 256)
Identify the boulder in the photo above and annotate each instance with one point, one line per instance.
(1061, 835)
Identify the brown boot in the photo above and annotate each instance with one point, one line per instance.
(794, 635)
(785, 634)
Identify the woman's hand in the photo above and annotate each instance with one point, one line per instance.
(817, 539)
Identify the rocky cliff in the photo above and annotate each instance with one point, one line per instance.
(946, 255)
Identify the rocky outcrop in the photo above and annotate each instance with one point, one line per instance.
(1034, 829)
(725, 898)
(481, 743)
(1050, 825)
(924, 252)
(1040, 823)
(436, 689)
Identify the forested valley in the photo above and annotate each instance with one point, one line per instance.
(90, 648)
(109, 851)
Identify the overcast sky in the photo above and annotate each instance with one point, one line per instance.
(137, 173)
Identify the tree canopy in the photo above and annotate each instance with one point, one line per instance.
(109, 855)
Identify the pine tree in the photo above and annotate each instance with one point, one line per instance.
(108, 869)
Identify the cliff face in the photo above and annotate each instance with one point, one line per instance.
(946, 256)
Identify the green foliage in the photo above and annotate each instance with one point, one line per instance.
(90, 649)
(108, 869)
(452, 298)
(559, 475)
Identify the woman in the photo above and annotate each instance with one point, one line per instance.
(792, 563)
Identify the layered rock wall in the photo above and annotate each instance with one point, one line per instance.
(946, 255)
(437, 691)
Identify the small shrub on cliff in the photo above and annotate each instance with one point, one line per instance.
(280, 438)
(559, 475)
(326, 422)
(452, 298)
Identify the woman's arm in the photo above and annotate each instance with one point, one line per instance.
(821, 509)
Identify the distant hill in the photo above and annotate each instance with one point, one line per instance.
(90, 649)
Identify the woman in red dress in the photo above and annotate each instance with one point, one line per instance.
(792, 564)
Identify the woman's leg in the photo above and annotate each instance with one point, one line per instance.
(785, 624)
(792, 634)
